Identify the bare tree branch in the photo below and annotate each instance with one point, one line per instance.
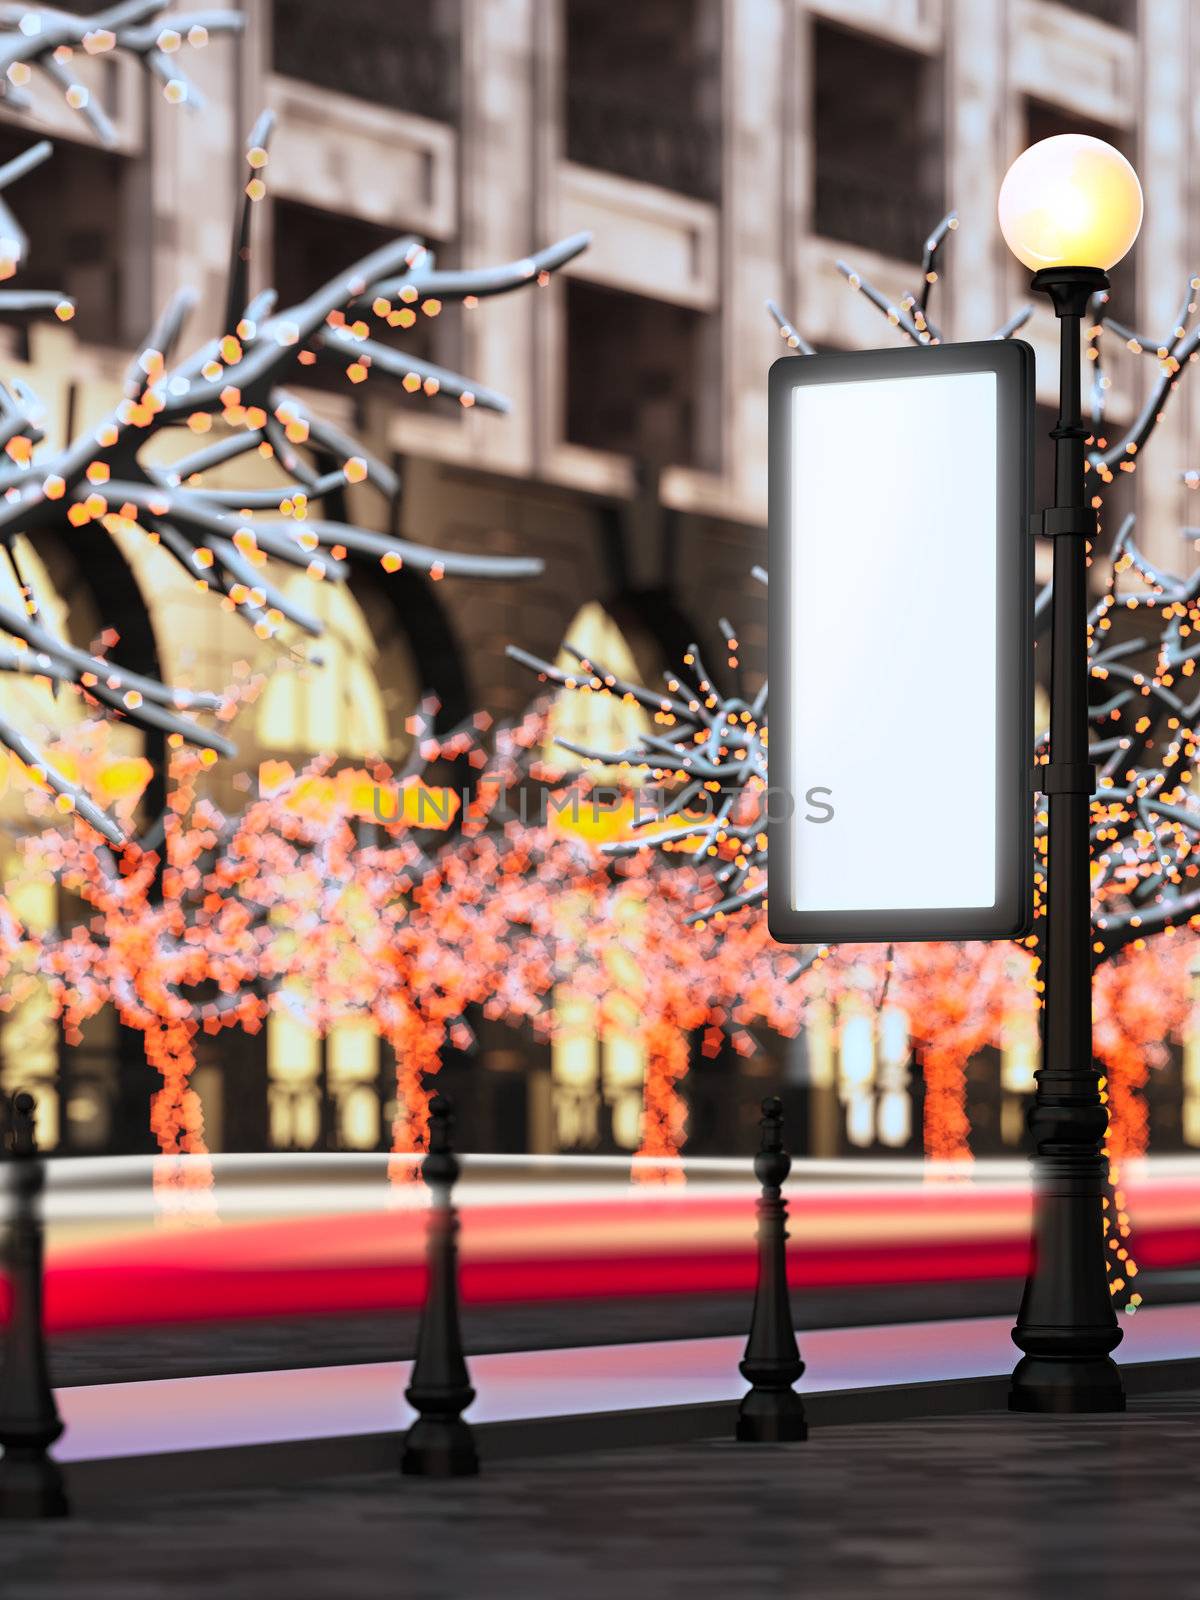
(40, 38)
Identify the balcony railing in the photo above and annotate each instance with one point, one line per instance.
(861, 207)
(356, 47)
(638, 139)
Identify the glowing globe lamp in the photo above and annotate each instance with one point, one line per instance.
(1070, 201)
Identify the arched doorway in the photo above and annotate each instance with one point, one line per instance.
(87, 1091)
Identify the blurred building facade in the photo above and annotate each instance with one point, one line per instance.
(722, 152)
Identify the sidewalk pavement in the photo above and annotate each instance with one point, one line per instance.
(119, 1420)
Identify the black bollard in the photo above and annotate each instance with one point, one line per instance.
(772, 1411)
(440, 1444)
(31, 1481)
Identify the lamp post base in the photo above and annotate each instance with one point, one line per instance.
(1040, 1384)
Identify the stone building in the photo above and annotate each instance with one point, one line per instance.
(722, 152)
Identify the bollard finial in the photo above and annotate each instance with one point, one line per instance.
(772, 1163)
(441, 1166)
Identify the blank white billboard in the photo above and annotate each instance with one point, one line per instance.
(900, 642)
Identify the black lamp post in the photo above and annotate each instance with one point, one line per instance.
(1069, 199)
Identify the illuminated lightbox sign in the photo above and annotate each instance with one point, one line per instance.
(901, 644)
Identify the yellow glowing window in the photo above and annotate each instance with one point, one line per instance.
(330, 1084)
(598, 1057)
(355, 702)
(596, 720)
(26, 701)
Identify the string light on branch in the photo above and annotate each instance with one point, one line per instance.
(231, 395)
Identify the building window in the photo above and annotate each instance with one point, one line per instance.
(311, 247)
(595, 721)
(878, 138)
(324, 1092)
(643, 92)
(362, 48)
(636, 376)
(1120, 13)
(598, 1053)
(355, 703)
(72, 210)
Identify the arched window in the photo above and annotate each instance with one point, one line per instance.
(355, 702)
(325, 1092)
(30, 703)
(29, 1035)
(596, 721)
(72, 1105)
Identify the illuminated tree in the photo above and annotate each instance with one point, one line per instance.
(418, 930)
(709, 755)
(233, 388)
(715, 985)
(542, 909)
(178, 940)
(161, 940)
(332, 903)
(958, 998)
(351, 934)
(1142, 1003)
(330, 897)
